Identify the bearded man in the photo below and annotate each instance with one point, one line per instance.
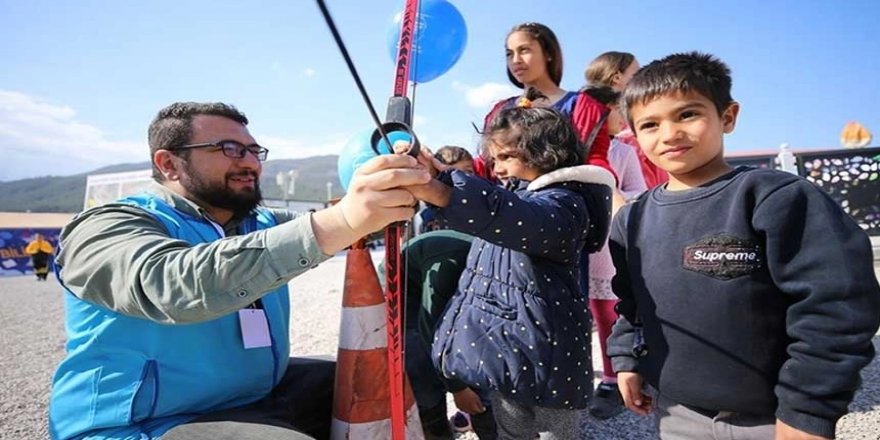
(177, 309)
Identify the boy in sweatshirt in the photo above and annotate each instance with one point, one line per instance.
(748, 298)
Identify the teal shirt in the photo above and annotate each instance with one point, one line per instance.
(152, 287)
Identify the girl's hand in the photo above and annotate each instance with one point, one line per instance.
(432, 192)
(468, 401)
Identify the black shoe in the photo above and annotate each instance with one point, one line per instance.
(484, 425)
(435, 425)
(607, 401)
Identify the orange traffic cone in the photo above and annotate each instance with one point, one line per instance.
(361, 403)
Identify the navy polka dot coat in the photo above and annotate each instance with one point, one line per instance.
(519, 323)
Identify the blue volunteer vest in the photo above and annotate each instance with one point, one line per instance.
(127, 377)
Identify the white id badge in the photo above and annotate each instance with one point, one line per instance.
(254, 328)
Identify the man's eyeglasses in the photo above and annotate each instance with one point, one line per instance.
(230, 148)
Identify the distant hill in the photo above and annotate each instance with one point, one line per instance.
(66, 193)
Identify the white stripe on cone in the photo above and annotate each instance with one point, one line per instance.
(364, 328)
(379, 430)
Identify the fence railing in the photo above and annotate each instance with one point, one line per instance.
(851, 177)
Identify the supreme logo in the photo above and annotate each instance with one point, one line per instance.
(723, 256)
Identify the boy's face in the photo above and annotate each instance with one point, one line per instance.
(683, 134)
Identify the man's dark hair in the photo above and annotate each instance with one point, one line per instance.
(543, 137)
(680, 73)
(172, 126)
(451, 154)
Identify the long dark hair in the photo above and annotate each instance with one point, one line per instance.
(549, 44)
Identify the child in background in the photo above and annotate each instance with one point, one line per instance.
(434, 262)
(748, 297)
(612, 69)
(483, 424)
(519, 325)
(615, 69)
(607, 401)
(534, 61)
(456, 157)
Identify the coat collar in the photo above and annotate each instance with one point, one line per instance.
(580, 173)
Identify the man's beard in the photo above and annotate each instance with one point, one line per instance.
(219, 195)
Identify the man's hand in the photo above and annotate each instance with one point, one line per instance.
(785, 431)
(468, 401)
(433, 192)
(630, 385)
(375, 198)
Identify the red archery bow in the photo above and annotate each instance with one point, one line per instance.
(398, 117)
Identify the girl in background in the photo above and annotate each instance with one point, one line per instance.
(534, 61)
(614, 70)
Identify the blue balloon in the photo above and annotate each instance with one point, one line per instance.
(358, 151)
(440, 39)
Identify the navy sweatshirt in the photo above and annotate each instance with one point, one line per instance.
(756, 294)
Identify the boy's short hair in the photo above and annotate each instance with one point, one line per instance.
(451, 154)
(680, 73)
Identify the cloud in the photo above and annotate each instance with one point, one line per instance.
(309, 72)
(486, 94)
(44, 138)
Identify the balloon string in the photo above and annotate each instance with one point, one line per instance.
(352, 69)
(412, 110)
(416, 51)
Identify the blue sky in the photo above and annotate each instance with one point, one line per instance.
(80, 80)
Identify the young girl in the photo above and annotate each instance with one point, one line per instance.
(615, 69)
(612, 69)
(534, 61)
(519, 325)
